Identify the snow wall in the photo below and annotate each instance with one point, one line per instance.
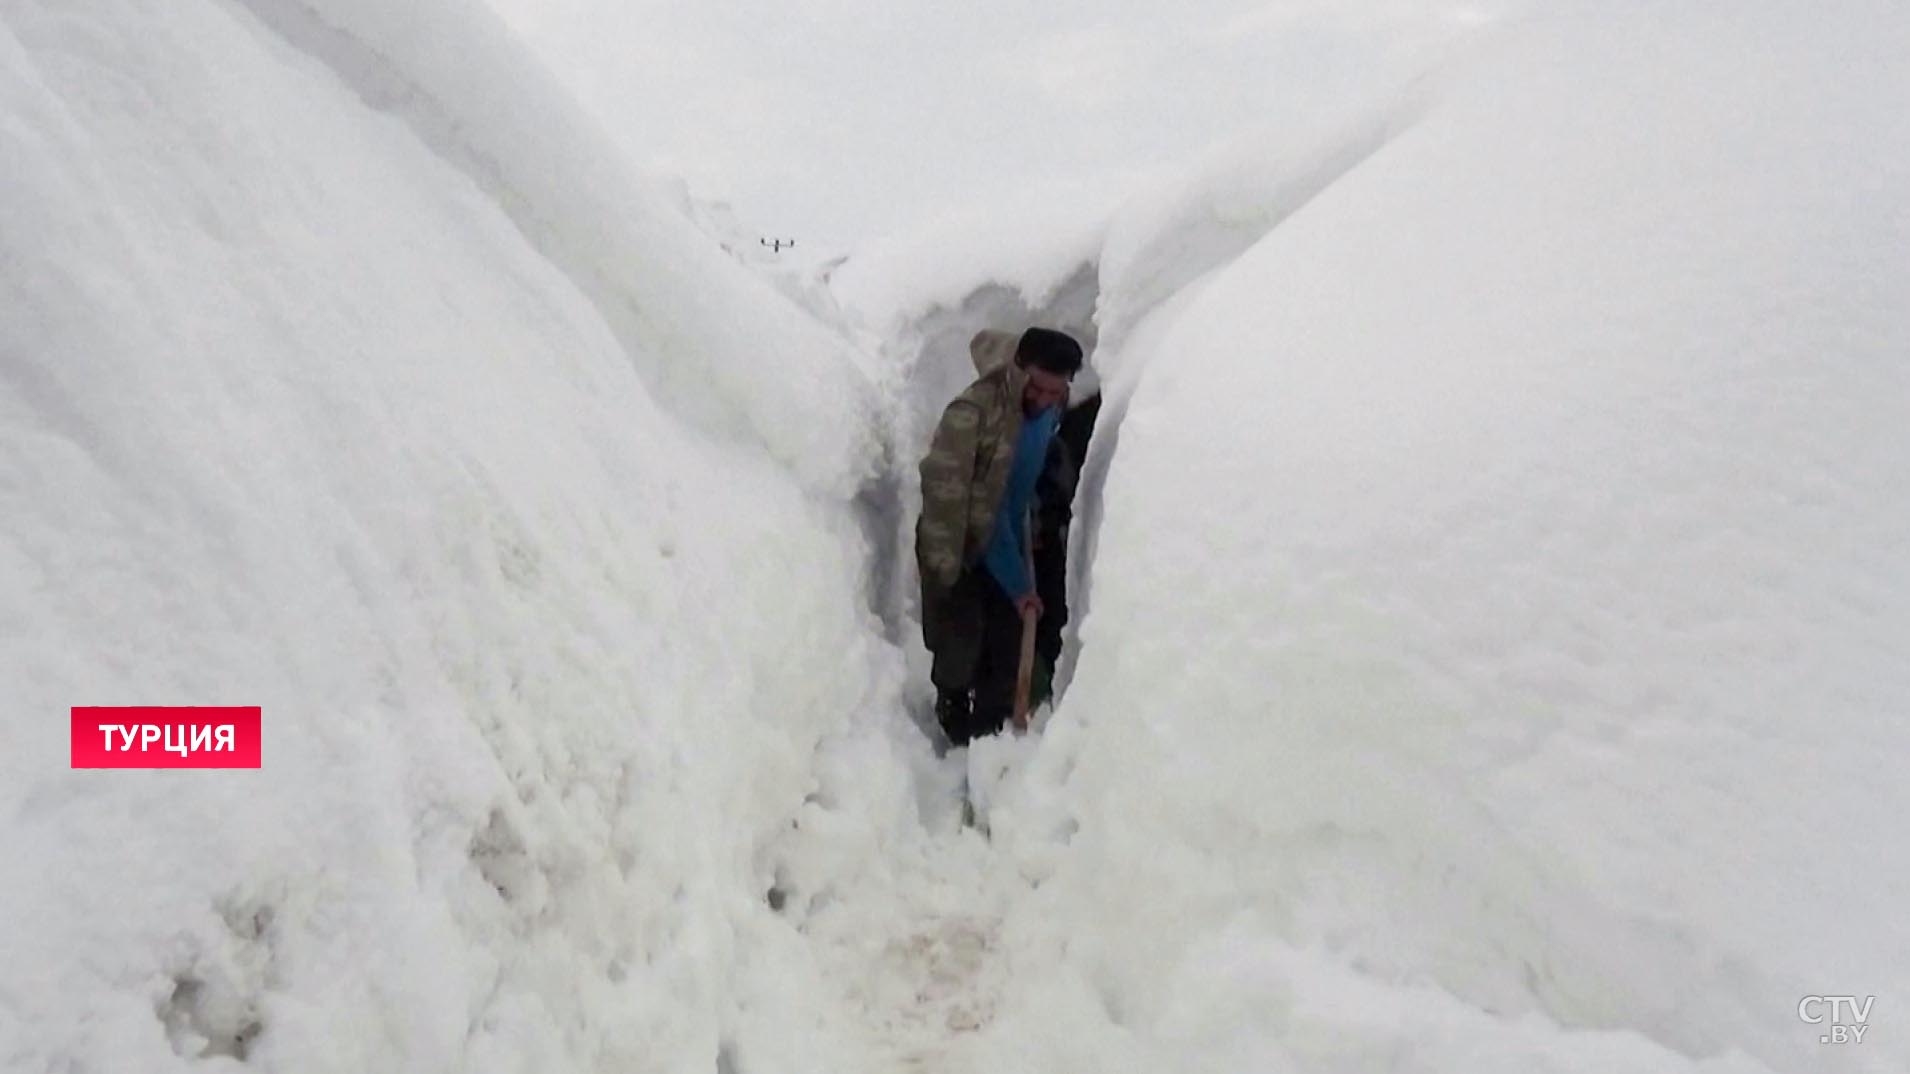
(345, 373)
(1495, 654)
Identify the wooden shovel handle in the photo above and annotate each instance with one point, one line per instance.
(1024, 676)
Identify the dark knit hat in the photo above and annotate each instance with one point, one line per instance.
(1045, 348)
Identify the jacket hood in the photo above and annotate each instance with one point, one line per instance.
(991, 349)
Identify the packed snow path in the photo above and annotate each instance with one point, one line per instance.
(920, 963)
(908, 942)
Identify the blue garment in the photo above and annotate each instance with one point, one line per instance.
(1007, 553)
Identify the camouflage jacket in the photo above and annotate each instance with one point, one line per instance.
(966, 469)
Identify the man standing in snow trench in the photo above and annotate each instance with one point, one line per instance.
(972, 542)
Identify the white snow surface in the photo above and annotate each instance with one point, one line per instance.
(1492, 600)
(343, 373)
(847, 122)
(1496, 650)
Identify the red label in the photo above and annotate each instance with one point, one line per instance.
(147, 736)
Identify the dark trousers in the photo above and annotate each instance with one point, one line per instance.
(975, 634)
(1051, 585)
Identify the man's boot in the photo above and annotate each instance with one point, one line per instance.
(956, 714)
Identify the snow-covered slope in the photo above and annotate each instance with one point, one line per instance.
(1496, 657)
(844, 123)
(344, 373)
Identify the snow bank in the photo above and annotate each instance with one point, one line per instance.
(461, 83)
(842, 124)
(341, 374)
(1031, 245)
(1496, 658)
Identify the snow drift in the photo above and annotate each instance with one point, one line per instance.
(344, 373)
(1496, 650)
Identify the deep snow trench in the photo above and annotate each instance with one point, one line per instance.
(916, 949)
